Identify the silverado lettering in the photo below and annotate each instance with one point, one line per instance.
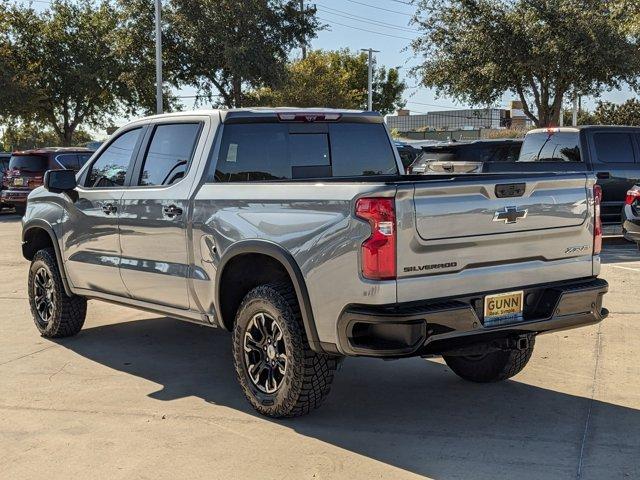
(420, 268)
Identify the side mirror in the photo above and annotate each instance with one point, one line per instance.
(60, 181)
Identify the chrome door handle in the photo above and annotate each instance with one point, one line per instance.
(109, 208)
(172, 211)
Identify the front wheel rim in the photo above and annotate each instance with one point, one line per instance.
(43, 294)
(265, 353)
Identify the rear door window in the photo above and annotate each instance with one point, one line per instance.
(68, 161)
(111, 167)
(613, 147)
(551, 147)
(169, 153)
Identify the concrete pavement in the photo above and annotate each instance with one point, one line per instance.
(135, 396)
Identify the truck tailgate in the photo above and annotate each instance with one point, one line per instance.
(487, 233)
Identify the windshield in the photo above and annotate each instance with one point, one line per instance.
(28, 163)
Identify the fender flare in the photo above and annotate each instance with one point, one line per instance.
(281, 255)
(42, 225)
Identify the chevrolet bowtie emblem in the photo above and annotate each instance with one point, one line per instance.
(510, 215)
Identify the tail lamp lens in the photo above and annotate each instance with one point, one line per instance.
(633, 195)
(379, 250)
(597, 225)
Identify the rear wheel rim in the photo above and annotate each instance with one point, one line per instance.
(43, 294)
(265, 353)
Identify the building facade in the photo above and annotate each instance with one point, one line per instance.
(471, 119)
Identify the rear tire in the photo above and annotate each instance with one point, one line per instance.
(490, 367)
(54, 313)
(279, 373)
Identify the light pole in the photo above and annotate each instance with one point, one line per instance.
(158, 59)
(304, 42)
(370, 52)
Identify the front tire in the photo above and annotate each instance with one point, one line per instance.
(54, 313)
(490, 367)
(279, 373)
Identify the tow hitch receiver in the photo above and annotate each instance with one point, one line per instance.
(519, 342)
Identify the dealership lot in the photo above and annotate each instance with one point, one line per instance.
(137, 396)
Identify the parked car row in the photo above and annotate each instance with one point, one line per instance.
(4, 166)
(25, 171)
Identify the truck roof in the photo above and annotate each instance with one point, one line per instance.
(584, 127)
(45, 150)
(273, 112)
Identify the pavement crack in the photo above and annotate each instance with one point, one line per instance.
(27, 355)
(58, 371)
(593, 394)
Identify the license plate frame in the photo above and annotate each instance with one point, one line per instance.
(509, 310)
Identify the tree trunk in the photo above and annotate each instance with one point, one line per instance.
(67, 136)
(237, 92)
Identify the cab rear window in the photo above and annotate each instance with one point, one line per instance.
(551, 147)
(283, 151)
(28, 163)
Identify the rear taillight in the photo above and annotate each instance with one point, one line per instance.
(597, 223)
(633, 195)
(379, 250)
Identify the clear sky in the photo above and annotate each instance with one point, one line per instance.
(382, 25)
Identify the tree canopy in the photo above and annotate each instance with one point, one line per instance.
(334, 79)
(22, 136)
(68, 66)
(224, 47)
(539, 50)
(608, 113)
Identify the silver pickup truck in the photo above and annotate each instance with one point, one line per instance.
(297, 231)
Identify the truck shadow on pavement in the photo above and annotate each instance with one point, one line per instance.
(619, 250)
(412, 414)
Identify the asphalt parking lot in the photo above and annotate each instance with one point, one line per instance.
(135, 396)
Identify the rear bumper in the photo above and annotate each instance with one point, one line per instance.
(439, 326)
(13, 197)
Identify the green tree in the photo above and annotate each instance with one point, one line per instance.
(540, 50)
(71, 65)
(607, 113)
(336, 79)
(227, 46)
(23, 136)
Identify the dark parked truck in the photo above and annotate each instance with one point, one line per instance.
(297, 232)
(611, 153)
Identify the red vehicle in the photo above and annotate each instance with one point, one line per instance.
(27, 167)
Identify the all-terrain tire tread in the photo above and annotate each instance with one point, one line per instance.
(71, 311)
(312, 382)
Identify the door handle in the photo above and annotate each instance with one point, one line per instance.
(172, 211)
(109, 208)
(603, 175)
